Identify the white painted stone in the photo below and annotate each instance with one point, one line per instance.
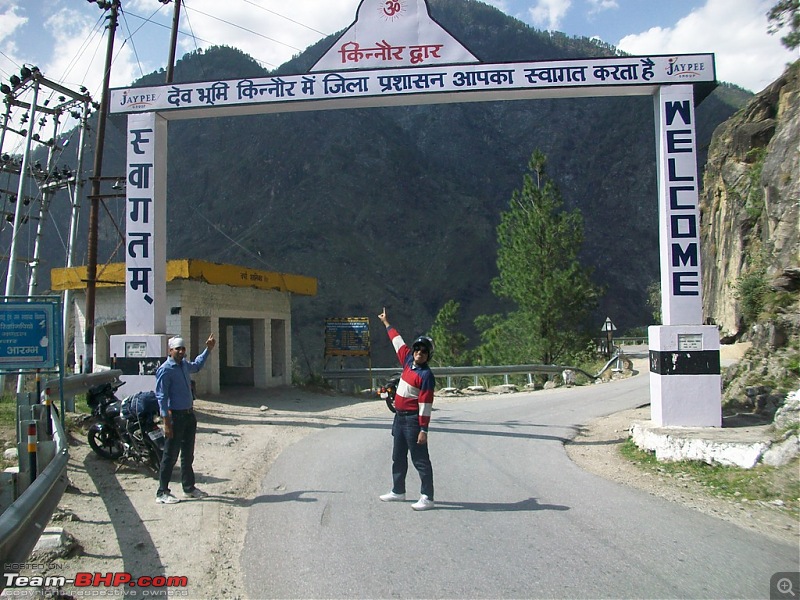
(503, 389)
(53, 538)
(671, 446)
(782, 453)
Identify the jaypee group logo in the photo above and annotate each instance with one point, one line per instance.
(138, 101)
(680, 69)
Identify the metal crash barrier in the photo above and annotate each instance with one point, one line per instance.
(29, 496)
(22, 523)
(450, 372)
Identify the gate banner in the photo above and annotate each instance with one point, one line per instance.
(582, 77)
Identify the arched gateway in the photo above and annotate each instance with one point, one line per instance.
(395, 54)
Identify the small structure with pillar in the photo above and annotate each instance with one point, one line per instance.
(247, 310)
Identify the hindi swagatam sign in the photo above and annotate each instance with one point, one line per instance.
(347, 336)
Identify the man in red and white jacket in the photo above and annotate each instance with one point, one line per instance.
(412, 402)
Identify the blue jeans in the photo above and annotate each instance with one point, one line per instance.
(184, 431)
(405, 430)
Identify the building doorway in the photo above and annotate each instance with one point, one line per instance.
(236, 353)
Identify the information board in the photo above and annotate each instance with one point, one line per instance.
(28, 336)
(347, 336)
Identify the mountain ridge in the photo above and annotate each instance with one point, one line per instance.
(397, 207)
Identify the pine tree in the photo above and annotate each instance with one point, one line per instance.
(540, 272)
(450, 344)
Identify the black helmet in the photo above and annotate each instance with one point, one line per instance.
(425, 342)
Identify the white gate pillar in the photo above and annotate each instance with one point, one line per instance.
(144, 345)
(685, 382)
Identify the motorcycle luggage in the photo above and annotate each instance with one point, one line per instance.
(141, 404)
(125, 408)
(144, 404)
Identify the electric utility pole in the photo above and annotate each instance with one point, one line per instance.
(173, 41)
(91, 262)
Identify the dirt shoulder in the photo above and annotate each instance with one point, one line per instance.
(110, 510)
(597, 449)
(111, 513)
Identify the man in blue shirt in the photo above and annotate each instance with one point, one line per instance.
(175, 400)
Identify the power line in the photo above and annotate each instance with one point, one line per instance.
(285, 17)
(130, 39)
(92, 35)
(266, 37)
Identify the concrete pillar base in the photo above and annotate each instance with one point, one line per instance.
(685, 381)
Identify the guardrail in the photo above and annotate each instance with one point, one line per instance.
(475, 372)
(24, 519)
(22, 523)
(80, 384)
(602, 343)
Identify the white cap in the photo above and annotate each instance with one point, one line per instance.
(176, 342)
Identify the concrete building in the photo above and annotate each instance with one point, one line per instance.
(248, 310)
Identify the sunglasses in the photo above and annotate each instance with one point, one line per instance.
(420, 349)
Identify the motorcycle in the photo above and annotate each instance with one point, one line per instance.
(125, 429)
(388, 390)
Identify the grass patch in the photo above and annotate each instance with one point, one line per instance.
(8, 422)
(8, 412)
(759, 484)
(8, 427)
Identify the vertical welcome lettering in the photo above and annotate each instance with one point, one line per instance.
(145, 255)
(679, 214)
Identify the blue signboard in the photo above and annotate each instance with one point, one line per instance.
(28, 338)
(347, 336)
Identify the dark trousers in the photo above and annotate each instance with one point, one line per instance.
(405, 430)
(184, 431)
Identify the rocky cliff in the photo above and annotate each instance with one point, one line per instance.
(750, 199)
(751, 241)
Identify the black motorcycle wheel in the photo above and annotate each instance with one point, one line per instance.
(106, 444)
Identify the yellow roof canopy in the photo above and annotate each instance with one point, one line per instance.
(113, 274)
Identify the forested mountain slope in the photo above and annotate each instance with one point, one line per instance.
(398, 207)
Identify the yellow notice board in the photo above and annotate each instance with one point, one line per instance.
(347, 336)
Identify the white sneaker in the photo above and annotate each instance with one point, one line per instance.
(195, 493)
(424, 503)
(167, 499)
(392, 497)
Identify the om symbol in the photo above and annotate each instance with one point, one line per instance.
(392, 7)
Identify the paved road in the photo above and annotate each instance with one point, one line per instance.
(515, 518)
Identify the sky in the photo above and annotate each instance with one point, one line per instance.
(67, 39)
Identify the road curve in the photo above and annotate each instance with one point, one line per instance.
(514, 517)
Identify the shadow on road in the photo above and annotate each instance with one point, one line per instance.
(139, 553)
(530, 504)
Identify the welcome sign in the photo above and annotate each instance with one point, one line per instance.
(631, 75)
(396, 54)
